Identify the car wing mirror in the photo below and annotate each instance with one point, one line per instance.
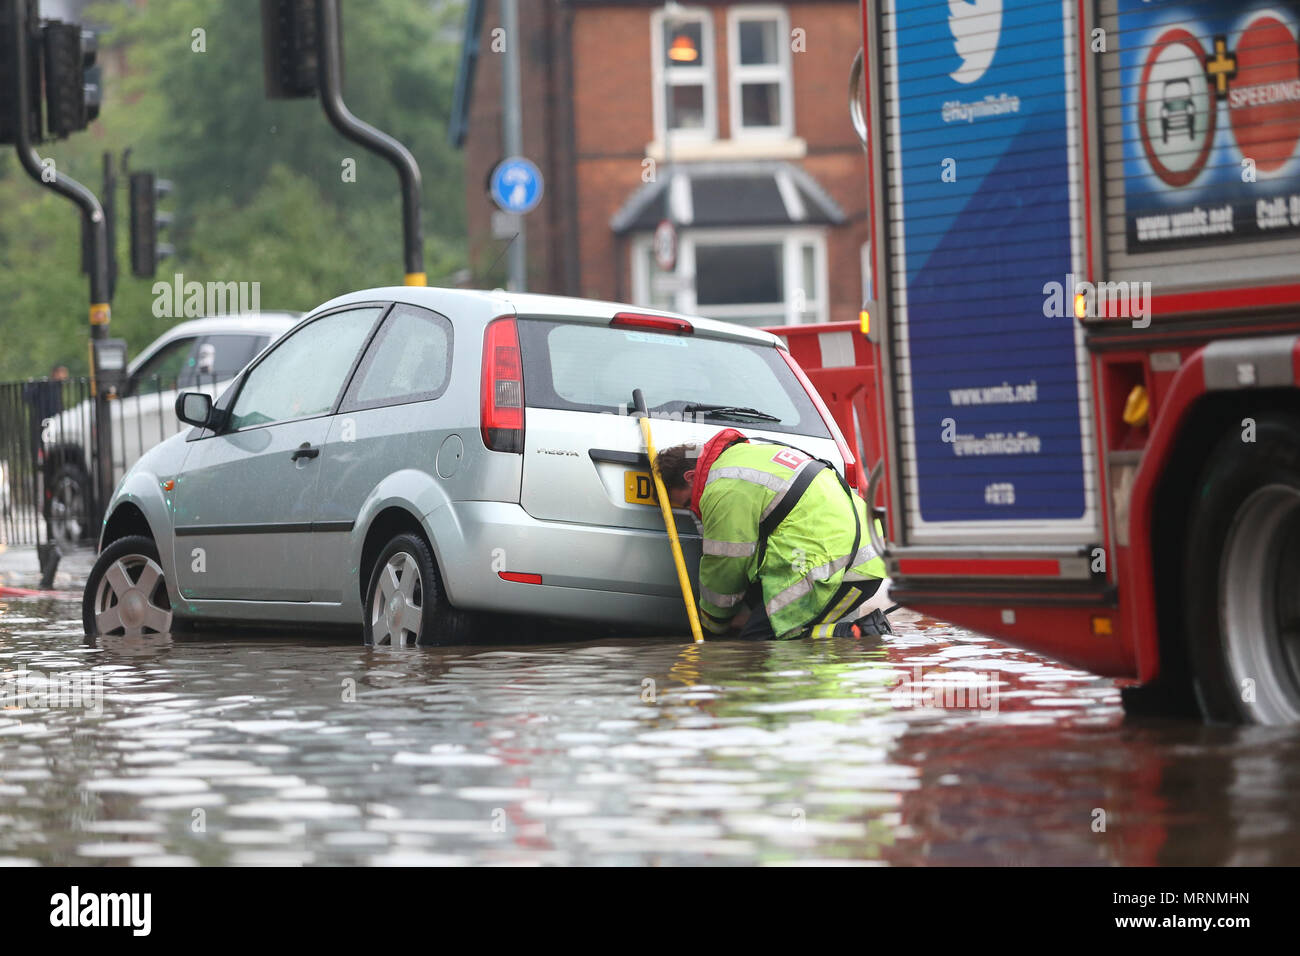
(195, 408)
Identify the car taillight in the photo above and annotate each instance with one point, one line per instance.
(652, 323)
(852, 469)
(502, 409)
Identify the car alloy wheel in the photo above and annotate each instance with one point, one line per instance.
(397, 604)
(127, 592)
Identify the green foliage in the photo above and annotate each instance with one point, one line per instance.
(260, 192)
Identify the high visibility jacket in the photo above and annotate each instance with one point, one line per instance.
(806, 557)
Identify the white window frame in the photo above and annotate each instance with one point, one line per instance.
(780, 73)
(816, 305)
(705, 76)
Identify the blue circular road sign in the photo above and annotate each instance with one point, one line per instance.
(517, 185)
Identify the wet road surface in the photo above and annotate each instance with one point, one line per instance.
(934, 746)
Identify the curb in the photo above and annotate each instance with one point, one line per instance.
(34, 593)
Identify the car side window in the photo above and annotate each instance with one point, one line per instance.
(409, 361)
(220, 357)
(303, 375)
(164, 369)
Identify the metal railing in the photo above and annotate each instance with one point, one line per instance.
(49, 450)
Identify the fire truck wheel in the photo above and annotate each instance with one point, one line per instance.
(1242, 577)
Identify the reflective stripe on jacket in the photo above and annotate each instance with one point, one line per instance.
(807, 554)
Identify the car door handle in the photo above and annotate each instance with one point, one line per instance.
(305, 451)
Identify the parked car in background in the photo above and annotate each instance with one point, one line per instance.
(406, 457)
(201, 354)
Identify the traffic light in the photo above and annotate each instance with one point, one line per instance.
(72, 80)
(146, 222)
(9, 108)
(61, 60)
(289, 48)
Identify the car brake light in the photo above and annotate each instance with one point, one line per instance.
(852, 468)
(652, 323)
(502, 408)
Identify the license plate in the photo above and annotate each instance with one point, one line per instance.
(639, 488)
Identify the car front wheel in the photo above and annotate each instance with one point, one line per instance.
(126, 593)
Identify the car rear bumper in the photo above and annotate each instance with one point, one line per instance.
(588, 572)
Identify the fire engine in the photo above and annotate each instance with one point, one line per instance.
(1076, 372)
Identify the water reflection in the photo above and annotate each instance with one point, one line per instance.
(932, 746)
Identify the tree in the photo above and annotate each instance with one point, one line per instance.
(260, 191)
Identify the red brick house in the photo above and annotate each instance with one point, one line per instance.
(728, 118)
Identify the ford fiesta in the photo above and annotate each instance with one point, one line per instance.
(406, 457)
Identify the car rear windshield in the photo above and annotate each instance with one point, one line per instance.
(594, 368)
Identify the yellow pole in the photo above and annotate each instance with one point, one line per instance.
(671, 524)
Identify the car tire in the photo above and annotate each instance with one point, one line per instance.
(66, 507)
(126, 592)
(1241, 565)
(405, 602)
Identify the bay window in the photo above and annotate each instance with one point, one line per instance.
(755, 277)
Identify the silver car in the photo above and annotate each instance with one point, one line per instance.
(407, 457)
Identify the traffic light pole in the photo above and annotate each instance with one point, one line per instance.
(330, 81)
(512, 138)
(92, 214)
(110, 222)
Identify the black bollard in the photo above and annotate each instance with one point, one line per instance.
(49, 556)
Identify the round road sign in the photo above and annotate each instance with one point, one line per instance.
(517, 185)
(665, 245)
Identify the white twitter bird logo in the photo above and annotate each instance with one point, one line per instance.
(975, 29)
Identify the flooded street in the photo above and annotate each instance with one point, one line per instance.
(933, 746)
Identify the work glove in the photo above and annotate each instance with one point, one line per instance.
(869, 625)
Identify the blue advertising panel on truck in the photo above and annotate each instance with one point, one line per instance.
(989, 369)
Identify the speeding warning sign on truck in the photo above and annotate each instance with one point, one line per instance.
(981, 132)
(1211, 116)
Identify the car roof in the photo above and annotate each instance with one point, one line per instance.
(274, 323)
(496, 302)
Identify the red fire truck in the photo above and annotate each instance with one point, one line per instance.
(1082, 352)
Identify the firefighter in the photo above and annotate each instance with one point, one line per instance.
(778, 529)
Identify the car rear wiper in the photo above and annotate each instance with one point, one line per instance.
(730, 411)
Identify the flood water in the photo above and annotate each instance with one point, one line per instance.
(934, 746)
